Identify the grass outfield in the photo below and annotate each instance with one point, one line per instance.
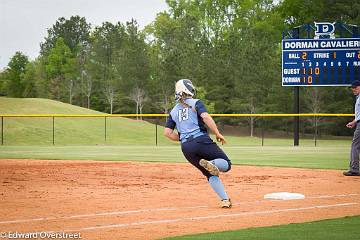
(70, 131)
(330, 157)
(91, 131)
(339, 229)
(134, 140)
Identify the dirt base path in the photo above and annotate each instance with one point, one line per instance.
(117, 200)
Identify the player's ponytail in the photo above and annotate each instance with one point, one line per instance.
(182, 101)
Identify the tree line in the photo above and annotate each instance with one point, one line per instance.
(230, 49)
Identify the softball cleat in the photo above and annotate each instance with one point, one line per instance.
(211, 168)
(226, 203)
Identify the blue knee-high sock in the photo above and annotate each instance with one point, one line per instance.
(218, 187)
(221, 164)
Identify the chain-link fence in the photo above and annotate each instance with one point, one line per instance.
(146, 129)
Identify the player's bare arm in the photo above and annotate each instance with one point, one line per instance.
(170, 134)
(209, 121)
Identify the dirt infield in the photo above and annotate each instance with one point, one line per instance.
(117, 200)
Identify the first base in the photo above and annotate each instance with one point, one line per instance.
(284, 196)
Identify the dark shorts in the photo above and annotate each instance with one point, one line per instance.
(203, 147)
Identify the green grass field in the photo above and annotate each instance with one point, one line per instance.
(335, 229)
(91, 131)
(330, 157)
(70, 131)
(134, 140)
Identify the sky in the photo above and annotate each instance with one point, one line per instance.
(24, 23)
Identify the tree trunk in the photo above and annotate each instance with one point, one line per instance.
(139, 97)
(110, 93)
(140, 110)
(137, 110)
(71, 91)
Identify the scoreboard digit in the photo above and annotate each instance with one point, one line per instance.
(320, 62)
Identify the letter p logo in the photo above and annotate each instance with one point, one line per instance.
(324, 29)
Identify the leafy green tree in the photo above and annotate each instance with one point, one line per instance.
(134, 66)
(75, 32)
(14, 75)
(298, 12)
(174, 55)
(3, 83)
(29, 79)
(86, 87)
(72, 78)
(107, 41)
(163, 62)
(86, 80)
(59, 69)
(161, 90)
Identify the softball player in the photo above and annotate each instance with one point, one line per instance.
(189, 116)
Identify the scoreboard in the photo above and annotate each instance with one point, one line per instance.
(320, 62)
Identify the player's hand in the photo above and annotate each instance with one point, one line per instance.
(351, 124)
(220, 138)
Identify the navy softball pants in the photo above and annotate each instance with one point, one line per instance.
(203, 147)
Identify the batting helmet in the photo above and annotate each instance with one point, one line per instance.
(184, 86)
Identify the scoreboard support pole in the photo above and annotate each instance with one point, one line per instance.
(296, 32)
(297, 118)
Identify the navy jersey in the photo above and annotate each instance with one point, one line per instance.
(187, 120)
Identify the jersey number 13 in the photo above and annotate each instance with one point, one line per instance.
(183, 114)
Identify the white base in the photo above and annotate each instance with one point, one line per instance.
(284, 196)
